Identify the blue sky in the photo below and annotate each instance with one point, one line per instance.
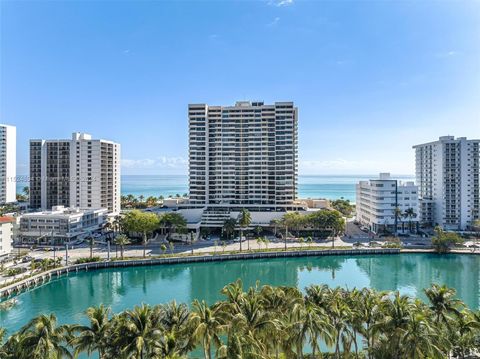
(370, 79)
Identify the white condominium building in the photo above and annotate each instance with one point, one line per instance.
(384, 204)
(6, 232)
(447, 173)
(60, 225)
(8, 166)
(243, 155)
(81, 172)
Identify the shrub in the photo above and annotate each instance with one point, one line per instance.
(14, 271)
(443, 241)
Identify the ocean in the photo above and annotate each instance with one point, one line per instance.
(318, 186)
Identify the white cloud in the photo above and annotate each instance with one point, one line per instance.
(274, 22)
(338, 164)
(446, 54)
(280, 2)
(342, 166)
(157, 163)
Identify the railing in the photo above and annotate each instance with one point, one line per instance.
(41, 278)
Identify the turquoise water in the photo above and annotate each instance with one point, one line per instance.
(69, 296)
(326, 186)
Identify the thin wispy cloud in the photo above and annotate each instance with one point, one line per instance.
(446, 54)
(342, 62)
(274, 22)
(280, 2)
(159, 162)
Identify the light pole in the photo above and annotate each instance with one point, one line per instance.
(66, 254)
(286, 231)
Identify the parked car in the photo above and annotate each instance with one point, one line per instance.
(237, 239)
(26, 259)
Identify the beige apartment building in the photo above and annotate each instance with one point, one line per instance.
(80, 173)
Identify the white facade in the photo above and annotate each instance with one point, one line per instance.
(377, 202)
(81, 172)
(447, 173)
(242, 156)
(60, 225)
(8, 166)
(6, 229)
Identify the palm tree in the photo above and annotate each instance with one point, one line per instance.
(175, 321)
(410, 214)
(91, 242)
(419, 338)
(398, 214)
(117, 225)
(443, 303)
(138, 332)
(41, 338)
(208, 325)
(122, 240)
(467, 328)
(244, 220)
(229, 227)
(251, 323)
(275, 223)
(95, 336)
(310, 323)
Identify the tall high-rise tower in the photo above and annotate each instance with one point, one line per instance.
(8, 166)
(243, 155)
(447, 174)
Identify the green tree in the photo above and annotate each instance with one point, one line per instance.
(244, 220)
(141, 222)
(95, 336)
(343, 206)
(410, 214)
(42, 338)
(208, 325)
(229, 227)
(172, 222)
(163, 248)
(443, 241)
(443, 303)
(122, 240)
(91, 243)
(138, 332)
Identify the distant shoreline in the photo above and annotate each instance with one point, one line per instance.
(309, 186)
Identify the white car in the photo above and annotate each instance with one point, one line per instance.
(237, 239)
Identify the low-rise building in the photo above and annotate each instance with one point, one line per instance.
(386, 204)
(60, 225)
(6, 228)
